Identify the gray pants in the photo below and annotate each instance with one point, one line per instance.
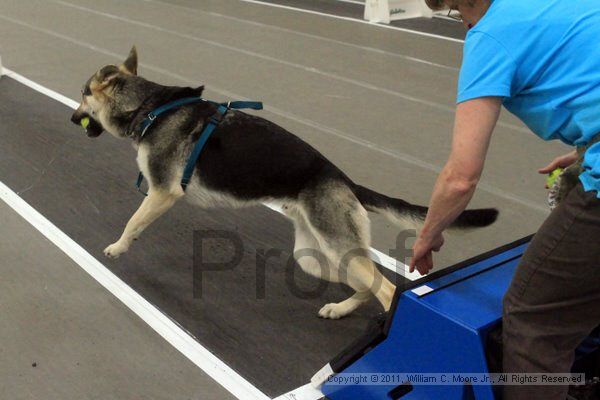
(553, 302)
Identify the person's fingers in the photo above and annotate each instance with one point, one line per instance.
(429, 258)
(550, 167)
(438, 243)
(418, 253)
(417, 264)
(413, 261)
(558, 162)
(425, 264)
(422, 257)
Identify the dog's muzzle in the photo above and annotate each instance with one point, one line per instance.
(94, 129)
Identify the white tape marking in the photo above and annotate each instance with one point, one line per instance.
(322, 376)
(422, 290)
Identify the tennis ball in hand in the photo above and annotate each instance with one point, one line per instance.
(552, 176)
(85, 122)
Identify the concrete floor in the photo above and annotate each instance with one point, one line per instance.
(378, 102)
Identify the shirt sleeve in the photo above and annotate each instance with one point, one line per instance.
(487, 69)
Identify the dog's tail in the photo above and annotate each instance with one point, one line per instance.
(412, 216)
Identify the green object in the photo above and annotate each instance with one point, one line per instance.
(552, 176)
(85, 122)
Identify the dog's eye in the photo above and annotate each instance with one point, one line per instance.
(86, 91)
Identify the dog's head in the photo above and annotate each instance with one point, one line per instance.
(102, 99)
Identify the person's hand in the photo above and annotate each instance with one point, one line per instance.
(560, 162)
(422, 258)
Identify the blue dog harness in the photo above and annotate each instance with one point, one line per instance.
(214, 120)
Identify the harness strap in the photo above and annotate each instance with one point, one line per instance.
(138, 183)
(213, 121)
(237, 105)
(164, 108)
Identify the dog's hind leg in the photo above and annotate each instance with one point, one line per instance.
(340, 224)
(307, 251)
(154, 205)
(361, 274)
(313, 261)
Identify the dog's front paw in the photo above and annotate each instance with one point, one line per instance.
(115, 250)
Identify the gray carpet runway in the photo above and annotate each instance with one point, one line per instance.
(250, 318)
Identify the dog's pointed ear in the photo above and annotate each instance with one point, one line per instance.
(105, 76)
(131, 64)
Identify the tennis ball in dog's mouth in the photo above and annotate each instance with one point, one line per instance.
(85, 122)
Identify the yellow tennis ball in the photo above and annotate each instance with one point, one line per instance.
(85, 122)
(552, 176)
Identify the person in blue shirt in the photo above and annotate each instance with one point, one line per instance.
(540, 59)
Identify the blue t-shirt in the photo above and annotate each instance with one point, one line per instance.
(543, 57)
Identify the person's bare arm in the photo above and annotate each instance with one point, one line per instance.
(455, 185)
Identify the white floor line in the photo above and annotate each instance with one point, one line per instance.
(305, 68)
(308, 35)
(292, 117)
(384, 26)
(158, 321)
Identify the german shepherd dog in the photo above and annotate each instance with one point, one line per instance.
(249, 160)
